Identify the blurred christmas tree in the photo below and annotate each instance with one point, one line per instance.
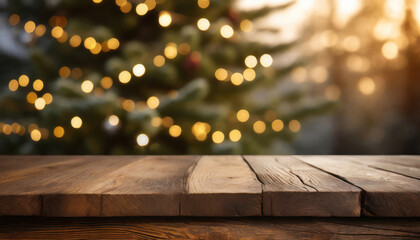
(149, 77)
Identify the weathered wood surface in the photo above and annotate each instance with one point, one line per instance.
(74, 186)
(222, 186)
(293, 188)
(387, 194)
(208, 228)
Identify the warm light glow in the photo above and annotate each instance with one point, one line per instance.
(151, 4)
(251, 61)
(113, 120)
(97, 49)
(221, 74)
(184, 48)
(76, 122)
(266, 60)
(294, 126)
(59, 132)
(299, 74)
(170, 51)
(203, 3)
(159, 61)
(124, 76)
(390, 50)
(142, 140)
(142, 9)
(39, 103)
(277, 125)
(31, 97)
(90, 43)
(249, 74)
(29, 26)
(128, 105)
(319, 74)
(366, 85)
(97, 1)
(153, 102)
(40, 30)
(235, 135)
(351, 43)
(200, 130)
(126, 7)
(64, 72)
(167, 121)
(13, 85)
(38, 85)
(332, 93)
(23, 81)
(259, 127)
(139, 70)
(245, 25)
(226, 31)
(175, 131)
(218, 137)
(106, 82)
(242, 115)
(113, 43)
(75, 41)
(14, 19)
(165, 19)
(236, 79)
(203, 24)
(48, 98)
(35, 135)
(87, 86)
(57, 32)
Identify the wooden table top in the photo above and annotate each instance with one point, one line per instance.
(225, 186)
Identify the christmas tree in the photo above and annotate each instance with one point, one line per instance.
(146, 77)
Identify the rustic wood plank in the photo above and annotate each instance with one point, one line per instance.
(293, 188)
(386, 193)
(222, 186)
(389, 163)
(65, 188)
(151, 186)
(208, 228)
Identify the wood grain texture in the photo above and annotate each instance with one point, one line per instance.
(208, 228)
(293, 188)
(222, 186)
(386, 193)
(63, 188)
(151, 186)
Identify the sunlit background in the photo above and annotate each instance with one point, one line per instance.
(209, 77)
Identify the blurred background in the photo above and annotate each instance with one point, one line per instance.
(209, 77)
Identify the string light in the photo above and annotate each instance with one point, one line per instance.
(36, 135)
(64, 72)
(242, 115)
(221, 74)
(14, 19)
(153, 102)
(151, 4)
(390, 50)
(259, 127)
(142, 9)
(126, 7)
(142, 140)
(175, 131)
(170, 51)
(48, 98)
(39, 103)
(76, 122)
(165, 19)
(218, 137)
(128, 105)
(124, 76)
(113, 120)
(90, 43)
(31, 97)
(159, 61)
(277, 125)
(249, 74)
(113, 43)
(38, 85)
(226, 31)
(246, 25)
(40, 30)
(29, 26)
(266, 60)
(366, 85)
(236, 79)
(87, 86)
(200, 130)
(59, 132)
(13, 85)
(184, 48)
(97, 1)
(106, 82)
(299, 74)
(251, 61)
(294, 125)
(203, 3)
(23, 81)
(235, 135)
(203, 24)
(156, 121)
(139, 70)
(57, 32)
